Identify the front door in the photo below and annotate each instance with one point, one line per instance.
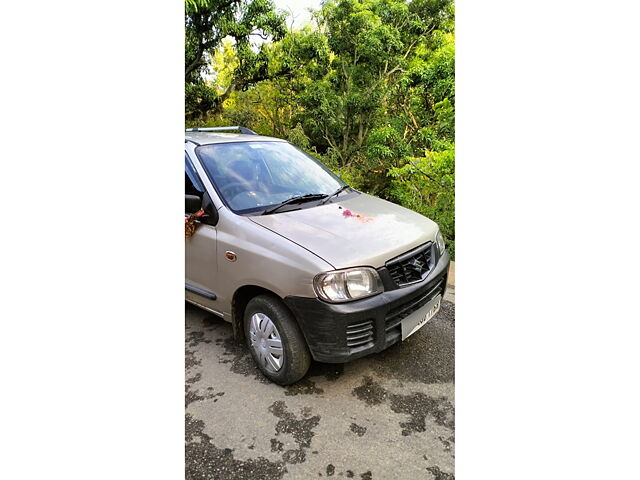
(201, 269)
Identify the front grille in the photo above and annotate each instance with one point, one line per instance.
(359, 333)
(395, 316)
(412, 266)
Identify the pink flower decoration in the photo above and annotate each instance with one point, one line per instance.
(360, 218)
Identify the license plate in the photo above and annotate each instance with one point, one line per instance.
(417, 319)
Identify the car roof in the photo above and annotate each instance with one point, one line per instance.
(207, 138)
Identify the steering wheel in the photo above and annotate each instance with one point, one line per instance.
(232, 189)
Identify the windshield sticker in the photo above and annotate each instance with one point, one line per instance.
(360, 218)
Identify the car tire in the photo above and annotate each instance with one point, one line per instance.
(263, 312)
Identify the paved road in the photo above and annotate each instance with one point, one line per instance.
(388, 416)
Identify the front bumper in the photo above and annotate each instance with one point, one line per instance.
(335, 332)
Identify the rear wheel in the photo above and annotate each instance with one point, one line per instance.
(275, 340)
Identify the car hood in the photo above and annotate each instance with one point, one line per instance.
(359, 231)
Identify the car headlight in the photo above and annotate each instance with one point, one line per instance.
(349, 284)
(440, 242)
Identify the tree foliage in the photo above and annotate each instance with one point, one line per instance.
(207, 24)
(368, 88)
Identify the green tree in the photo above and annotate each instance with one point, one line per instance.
(371, 43)
(425, 104)
(207, 24)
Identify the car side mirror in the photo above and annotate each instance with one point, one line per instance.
(212, 216)
(192, 203)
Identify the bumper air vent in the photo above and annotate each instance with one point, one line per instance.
(359, 334)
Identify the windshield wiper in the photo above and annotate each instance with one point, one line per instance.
(297, 199)
(334, 194)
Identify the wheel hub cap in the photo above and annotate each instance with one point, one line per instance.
(266, 341)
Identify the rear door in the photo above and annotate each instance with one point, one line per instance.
(201, 269)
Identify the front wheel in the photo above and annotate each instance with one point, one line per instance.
(275, 340)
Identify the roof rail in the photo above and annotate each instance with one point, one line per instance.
(244, 130)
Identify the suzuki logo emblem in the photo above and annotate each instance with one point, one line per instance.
(416, 265)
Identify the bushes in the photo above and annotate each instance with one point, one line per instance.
(427, 185)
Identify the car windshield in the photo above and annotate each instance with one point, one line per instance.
(254, 176)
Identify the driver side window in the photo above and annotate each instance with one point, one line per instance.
(192, 184)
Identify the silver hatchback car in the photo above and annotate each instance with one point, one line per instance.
(302, 265)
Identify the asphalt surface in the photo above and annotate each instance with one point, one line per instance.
(386, 416)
